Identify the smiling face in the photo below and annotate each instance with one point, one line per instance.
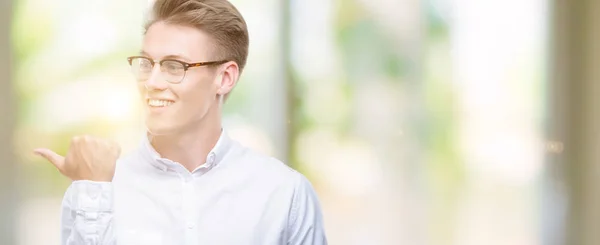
(173, 107)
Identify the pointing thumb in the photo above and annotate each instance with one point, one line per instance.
(57, 160)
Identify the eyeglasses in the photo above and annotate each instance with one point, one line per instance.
(172, 70)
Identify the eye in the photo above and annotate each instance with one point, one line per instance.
(173, 67)
(144, 64)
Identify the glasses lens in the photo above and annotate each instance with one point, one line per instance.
(172, 71)
(141, 68)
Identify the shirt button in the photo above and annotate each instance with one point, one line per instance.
(211, 158)
(190, 225)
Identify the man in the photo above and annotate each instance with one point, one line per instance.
(188, 183)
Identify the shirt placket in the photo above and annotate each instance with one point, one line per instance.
(189, 211)
(189, 202)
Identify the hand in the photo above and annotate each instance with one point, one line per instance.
(88, 158)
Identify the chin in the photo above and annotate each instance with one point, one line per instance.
(160, 128)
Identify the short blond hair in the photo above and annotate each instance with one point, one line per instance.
(218, 18)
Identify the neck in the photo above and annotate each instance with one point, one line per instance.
(190, 147)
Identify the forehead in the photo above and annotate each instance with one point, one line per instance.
(189, 43)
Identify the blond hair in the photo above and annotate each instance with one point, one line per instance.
(218, 18)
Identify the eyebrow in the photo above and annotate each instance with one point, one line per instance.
(172, 56)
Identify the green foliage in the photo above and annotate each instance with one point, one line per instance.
(31, 31)
(367, 50)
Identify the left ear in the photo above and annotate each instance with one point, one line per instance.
(227, 78)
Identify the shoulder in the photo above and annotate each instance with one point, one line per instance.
(128, 164)
(130, 157)
(266, 169)
(268, 165)
(127, 160)
(271, 173)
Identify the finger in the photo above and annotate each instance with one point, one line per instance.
(57, 160)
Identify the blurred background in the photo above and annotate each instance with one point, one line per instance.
(451, 122)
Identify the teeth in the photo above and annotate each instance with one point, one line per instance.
(159, 103)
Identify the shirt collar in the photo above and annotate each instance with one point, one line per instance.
(214, 157)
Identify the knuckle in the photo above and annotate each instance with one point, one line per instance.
(86, 138)
(115, 149)
(76, 139)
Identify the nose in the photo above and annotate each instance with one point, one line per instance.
(156, 82)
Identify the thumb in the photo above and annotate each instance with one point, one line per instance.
(57, 160)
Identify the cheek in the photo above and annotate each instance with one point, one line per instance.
(196, 96)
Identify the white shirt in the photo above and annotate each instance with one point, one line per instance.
(237, 197)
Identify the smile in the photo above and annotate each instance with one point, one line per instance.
(159, 103)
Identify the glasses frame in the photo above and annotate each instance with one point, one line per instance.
(186, 65)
